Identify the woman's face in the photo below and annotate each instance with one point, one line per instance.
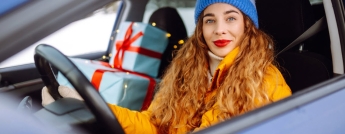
(223, 28)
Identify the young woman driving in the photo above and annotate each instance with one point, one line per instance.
(225, 69)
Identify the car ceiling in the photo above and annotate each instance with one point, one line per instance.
(8, 5)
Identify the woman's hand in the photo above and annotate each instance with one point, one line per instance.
(64, 92)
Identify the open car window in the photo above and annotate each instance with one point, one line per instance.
(315, 109)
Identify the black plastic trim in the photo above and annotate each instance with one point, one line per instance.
(9, 75)
(65, 105)
(90, 56)
(137, 10)
(21, 85)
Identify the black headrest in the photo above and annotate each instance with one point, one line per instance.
(284, 20)
(169, 20)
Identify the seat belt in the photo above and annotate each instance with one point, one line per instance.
(314, 29)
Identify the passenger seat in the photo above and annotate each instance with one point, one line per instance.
(285, 20)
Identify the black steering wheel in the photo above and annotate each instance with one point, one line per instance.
(45, 56)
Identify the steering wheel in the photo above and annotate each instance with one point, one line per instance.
(45, 56)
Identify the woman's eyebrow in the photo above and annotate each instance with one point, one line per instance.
(231, 11)
(226, 12)
(208, 14)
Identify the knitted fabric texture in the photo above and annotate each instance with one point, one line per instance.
(246, 6)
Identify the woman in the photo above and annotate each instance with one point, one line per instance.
(224, 69)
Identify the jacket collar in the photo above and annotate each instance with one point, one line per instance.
(223, 65)
(213, 63)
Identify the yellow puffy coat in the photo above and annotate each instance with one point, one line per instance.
(139, 122)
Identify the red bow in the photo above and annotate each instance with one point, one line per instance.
(125, 45)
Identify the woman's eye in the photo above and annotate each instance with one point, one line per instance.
(231, 19)
(209, 21)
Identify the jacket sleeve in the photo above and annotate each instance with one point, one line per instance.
(133, 122)
(208, 119)
(278, 89)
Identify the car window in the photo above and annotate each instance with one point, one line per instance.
(84, 36)
(185, 9)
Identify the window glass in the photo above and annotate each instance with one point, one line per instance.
(87, 35)
(184, 7)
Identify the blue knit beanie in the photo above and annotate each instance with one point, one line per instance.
(246, 6)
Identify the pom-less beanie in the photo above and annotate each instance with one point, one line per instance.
(246, 6)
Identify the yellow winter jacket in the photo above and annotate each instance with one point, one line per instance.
(134, 122)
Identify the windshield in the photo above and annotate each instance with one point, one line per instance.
(84, 36)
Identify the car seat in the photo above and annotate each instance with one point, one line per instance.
(285, 20)
(169, 20)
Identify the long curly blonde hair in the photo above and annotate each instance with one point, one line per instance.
(185, 83)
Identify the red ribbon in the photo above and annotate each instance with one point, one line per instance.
(98, 75)
(122, 46)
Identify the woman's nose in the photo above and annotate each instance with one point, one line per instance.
(219, 28)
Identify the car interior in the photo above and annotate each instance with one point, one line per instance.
(169, 20)
(304, 66)
(308, 63)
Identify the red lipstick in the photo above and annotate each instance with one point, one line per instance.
(221, 43)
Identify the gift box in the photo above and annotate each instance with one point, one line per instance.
(123, 88)
(139, 47)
